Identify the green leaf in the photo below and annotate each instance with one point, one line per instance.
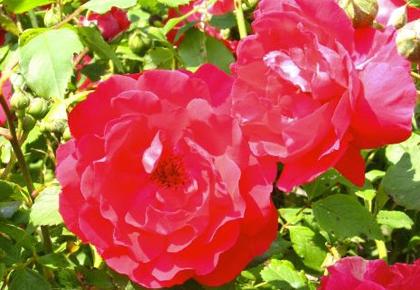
(8, 208)
(366, 194)
(98, 278)
(2, 270)
(414, 3)
(26, 279)
(159, 57)
(101, 6)
(9, 251)
(218, 54)
(197, 48)
(17, 234)
(45, 209)
(344, 216)
(174, 3)
(402, 180)
(10, 190)
(310, 246)
(47, 61)
(374, 175)
(284, 274)
(54, 261)
(29, 34)
(395, 152)
(68, 279)
(395, 219)
(8, 24)
(94, 40)
(293, 215)
(21, 6)
(224, 21)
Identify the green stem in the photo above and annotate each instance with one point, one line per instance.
(60, 9)
(382, 251)
(15, 145)
(21, 160)
(46, 239)
(32, 18)
(260, 284)
(240, 19)
(70, 17)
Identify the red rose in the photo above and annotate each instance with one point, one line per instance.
(111, 24)
(388, 7)
(312, 91)
(354, 273)
(7, 93)
(157, 177)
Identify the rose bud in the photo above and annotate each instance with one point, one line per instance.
(361, 12)
(57, 126)
(137, 44)
(51, 17)
(28, 122)
(19, 101)
(398, 17)
(408, 41)
(18, 81)
(38, 108)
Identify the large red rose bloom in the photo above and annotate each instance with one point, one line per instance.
(312, 91)
(158, 178)
(354, 273)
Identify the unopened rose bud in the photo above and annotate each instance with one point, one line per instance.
(408, 41)
(38, 108)
(57, 126)
(398, 17)
(361, 12)
(51, 17)
(19, 101)
(17, 81)
(28, 122)
(138, 44)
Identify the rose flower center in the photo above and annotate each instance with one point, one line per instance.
(170, 172)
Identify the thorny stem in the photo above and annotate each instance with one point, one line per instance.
(240, 19)
(14, 141)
